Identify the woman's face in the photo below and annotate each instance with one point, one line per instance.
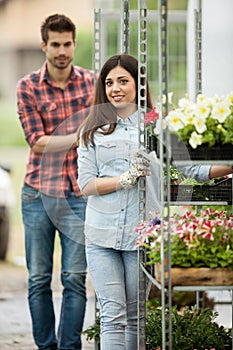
(120, 90)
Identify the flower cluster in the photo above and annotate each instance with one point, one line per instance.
(198, 239)
(208, 120)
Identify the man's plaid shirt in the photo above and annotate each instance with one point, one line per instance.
(45, 109)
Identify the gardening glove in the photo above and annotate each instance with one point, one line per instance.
(139, 166)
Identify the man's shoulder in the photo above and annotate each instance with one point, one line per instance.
(33, 77)
(84, 73)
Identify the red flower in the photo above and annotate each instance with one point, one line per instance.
(151, 117)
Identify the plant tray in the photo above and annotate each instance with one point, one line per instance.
(203, 152)
(221, 192)
(192, 276)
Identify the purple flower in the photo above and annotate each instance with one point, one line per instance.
(155, 221)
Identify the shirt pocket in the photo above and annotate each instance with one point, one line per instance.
(46, 107)
(106, 152)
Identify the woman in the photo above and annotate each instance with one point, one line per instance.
(109, 172)
(108, 175)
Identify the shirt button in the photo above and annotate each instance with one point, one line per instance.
(126, 129)
(122, 209)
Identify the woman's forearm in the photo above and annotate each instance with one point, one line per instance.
(99, 186)
(220, 170)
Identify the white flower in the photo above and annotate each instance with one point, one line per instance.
(195, 140)
(157, 129)
(207, 116)
(220, 111)
(200, 123)
(229, 98)
(174, 120)
(202, 109)
(169, 97)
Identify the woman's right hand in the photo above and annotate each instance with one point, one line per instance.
(139, 167)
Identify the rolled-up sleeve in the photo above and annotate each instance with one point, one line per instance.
(198, 172)
(28, 114)
(87, 166)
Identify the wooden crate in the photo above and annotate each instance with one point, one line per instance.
(192, 276)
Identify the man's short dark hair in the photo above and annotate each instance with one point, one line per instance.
(57, 23)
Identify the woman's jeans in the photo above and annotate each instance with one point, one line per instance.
(42, 217)
(115, 277)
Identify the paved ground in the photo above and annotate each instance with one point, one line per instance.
(15, 323)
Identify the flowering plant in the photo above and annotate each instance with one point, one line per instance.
(198, 239)
(209, 120)
(150, 121)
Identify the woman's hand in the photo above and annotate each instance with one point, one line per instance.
(139, 166)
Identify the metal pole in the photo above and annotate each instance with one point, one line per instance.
(97, 66)
(166, 286)
(198, 48)
(142, 107)
(97, 41)
(124, 26)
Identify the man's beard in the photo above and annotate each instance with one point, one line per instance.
(60, 65)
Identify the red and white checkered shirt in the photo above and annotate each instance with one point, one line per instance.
(45, 109)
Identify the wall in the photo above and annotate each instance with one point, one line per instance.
(217, 47)
(20, 40)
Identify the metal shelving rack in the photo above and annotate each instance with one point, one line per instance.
(167, 344)
(142, 107)
(164, 154)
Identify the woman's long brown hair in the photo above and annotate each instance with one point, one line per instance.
(102, 112)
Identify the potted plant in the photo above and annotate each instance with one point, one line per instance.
(203, 125)
(193, 329)
(188, 189)
(200, 240)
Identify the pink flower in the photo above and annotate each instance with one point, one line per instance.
(151, 117)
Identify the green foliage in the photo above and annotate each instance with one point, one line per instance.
(93, 331)
(194, 329)
(153, 5)
(84, 50)
(11, 131)
(175, 175)
(204, 253)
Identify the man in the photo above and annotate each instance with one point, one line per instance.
(52, 102)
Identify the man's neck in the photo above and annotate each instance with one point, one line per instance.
(59, 76)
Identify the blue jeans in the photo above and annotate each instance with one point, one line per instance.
(42, 217)
(115, 278)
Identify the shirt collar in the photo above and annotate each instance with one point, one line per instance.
(131, 119)
(44, 76)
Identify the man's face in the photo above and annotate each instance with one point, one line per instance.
(59, 49)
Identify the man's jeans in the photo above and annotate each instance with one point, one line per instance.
(115, 277)
(42, 217)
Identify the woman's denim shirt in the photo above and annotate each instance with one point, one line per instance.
(111, 218)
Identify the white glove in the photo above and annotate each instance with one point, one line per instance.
(139, 166)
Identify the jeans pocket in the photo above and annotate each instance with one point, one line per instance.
(29, 194)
